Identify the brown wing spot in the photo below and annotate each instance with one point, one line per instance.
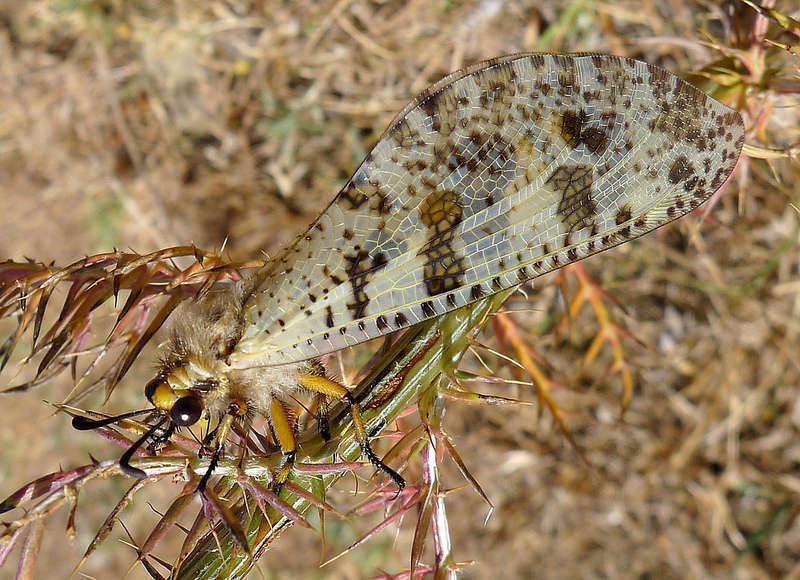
(732, 118)
(381, 323)
(428, 310)
(682, 107)
(476, 292)
(576, 208)
(441, 212)
(567, 74)
(403, 134)
(497, 89)
(660, 82)
(623, 215)
(719, 178)
(543, 88)
(351, 198)
(360, 270)
(328, 316)
(680, 169)
(381, 202)
(441, 107)
(443, 150)
(400, 320)
(414, 166)
(575, 131)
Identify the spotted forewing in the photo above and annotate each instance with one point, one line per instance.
(495, 175)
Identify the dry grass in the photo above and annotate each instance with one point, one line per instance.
(146, 125)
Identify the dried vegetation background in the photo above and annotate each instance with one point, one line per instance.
(147, 124)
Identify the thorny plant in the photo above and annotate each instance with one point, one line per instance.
(229, 532)
(239, 517)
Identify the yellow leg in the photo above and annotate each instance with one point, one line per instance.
(236, 410)
(325, 386)
(283, 430)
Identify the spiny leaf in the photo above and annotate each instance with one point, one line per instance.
(42, 486)
(226, 516)
(30, 551)
(196, 533)
(111, 519)
(135, 348)
(462, 467)
(411, 499)
(263, 495)
(169, 519)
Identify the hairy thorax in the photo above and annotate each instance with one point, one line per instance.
(196, 359)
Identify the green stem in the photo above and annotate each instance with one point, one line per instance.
(436, 345)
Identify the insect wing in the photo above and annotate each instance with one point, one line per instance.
(494, 175)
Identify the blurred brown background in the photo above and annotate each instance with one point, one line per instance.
(146, 124)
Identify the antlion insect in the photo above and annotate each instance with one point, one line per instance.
(494, 175)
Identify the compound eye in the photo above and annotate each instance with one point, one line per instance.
(151, 387)
(186, 411)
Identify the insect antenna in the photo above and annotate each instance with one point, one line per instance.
(86, 424)
(124, 461)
